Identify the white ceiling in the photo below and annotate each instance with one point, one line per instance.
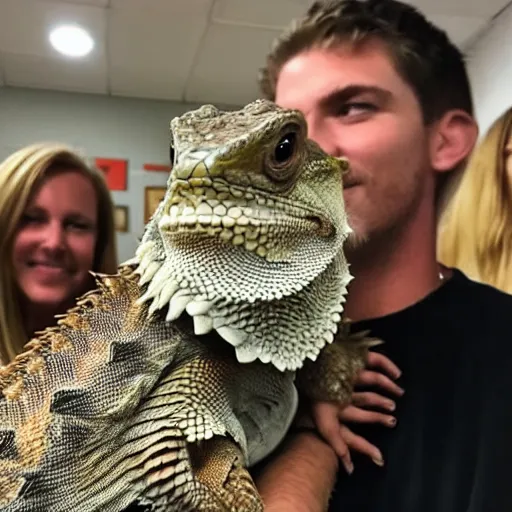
(186, 50)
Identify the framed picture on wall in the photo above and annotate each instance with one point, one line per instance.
(115, 172)
(152, 198)
(121, 218)
(157, 167)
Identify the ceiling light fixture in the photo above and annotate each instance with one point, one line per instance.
(71, 40)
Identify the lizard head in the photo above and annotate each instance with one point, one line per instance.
(251, 178)
(250, 233)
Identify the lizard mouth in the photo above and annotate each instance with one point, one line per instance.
(240, 217)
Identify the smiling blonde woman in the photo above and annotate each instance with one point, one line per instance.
(475, 230)
(56, 220)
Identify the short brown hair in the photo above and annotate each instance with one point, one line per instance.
(423, 54)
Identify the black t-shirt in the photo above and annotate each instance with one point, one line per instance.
(451, 450)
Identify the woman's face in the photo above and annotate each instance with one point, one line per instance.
(56, 239)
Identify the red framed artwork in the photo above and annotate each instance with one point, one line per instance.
(115, 171)
(157, 167)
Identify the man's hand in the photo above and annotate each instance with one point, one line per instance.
(330, 418)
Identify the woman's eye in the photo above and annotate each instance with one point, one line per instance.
(28, 218)
(79, 226)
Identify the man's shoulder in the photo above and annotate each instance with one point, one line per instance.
(480, 303)
(461, 307)
(481, 293)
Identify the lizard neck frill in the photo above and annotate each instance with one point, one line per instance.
(279, 313)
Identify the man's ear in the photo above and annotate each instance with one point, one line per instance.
(452, 140)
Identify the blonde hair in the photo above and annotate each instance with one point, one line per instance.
(20, 173)
(475, 229)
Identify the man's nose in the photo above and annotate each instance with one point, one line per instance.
(320, 132)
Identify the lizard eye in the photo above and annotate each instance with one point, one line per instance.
(285, 148)
(282, 156)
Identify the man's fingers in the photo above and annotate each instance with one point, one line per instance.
(357, 415)
(369, 399)
(326, 420)
(377, 360)
(369, 378)
(361, 445)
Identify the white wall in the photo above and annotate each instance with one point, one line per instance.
(131, 129)
(490, 68)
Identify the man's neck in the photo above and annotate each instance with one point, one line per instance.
(393, 274)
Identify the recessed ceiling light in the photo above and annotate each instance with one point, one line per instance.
(71, 40)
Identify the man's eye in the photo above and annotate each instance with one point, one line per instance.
(355, 108)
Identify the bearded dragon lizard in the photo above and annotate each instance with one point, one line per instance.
(163, 385)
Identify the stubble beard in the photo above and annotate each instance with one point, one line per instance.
(358, 239)
(366, 245)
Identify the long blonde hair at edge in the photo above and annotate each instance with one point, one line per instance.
(475, 229)
(20, 173)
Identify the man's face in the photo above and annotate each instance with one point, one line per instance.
(358, 106)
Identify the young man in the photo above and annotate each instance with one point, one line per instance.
(383, 87)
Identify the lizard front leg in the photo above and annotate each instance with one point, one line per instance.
(331, 377)
(219, 481)
(218, 465)
(220, 413)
